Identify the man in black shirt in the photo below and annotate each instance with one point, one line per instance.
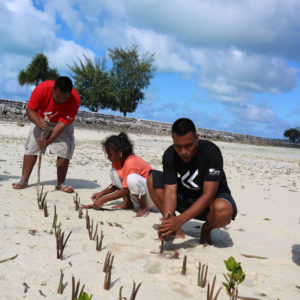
(193, 182)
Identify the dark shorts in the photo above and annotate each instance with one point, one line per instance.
(185, 201)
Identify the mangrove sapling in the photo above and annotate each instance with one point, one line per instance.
(41, 199)
(80, 213)
(84, 296)
(60, 289)
(46, 210)
(54, 218)
(75, 290)
(87, 220)
(99, 243)
(210, 292)
(60, 243)
(76, 200)
(183, 269)
(108, 261)
(90, 230)
(107, 279)
(201, 275)
(133, 293)
(235, 276)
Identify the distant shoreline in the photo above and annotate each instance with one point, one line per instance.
(11, 110)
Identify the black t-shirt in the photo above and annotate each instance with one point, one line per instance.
(206, 166)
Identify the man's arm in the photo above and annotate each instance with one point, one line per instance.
(175, 222)
(170, 199)
(33, 116)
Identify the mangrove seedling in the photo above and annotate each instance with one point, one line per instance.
(108, 261)
(54, 218)
(76, 200)
(90, 230)
(202, 275)
(41, 199)
(60, 289)
(46, 210)
(84, 296)
(60, 243)
(210, 291)
(80, 213)
(75, 290)
(133, 293)
(183, 269)
(99, 243)
(87, 220)
(235, 276)
(107, 279)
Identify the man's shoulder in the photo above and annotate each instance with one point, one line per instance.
(46, 84)
(205, 144)
(75, 96)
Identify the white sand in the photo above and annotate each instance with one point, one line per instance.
(264, 182)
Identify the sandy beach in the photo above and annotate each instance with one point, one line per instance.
(265, 182)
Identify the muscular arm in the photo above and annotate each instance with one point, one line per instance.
(170, 199)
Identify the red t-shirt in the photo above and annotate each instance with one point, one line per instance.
(133, 164)
(41, 101)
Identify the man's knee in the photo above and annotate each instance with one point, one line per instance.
(222, 207)
(150, 182)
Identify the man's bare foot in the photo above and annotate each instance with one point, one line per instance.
(65, 188)
(19, 185)
(124, 205)
(142, 212)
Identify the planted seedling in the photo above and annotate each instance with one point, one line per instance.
(133, 293)
(60, 289)
(41, 198)
(80, 213)
(202, 275)
(60, 243)
(76, 200)
(235, 277)
(99, 243)
(46, 214)
(87, 220)
(54, 218)
(183, 269)
(84, 296)
(107, 279)
(210, 291)
(75, 290)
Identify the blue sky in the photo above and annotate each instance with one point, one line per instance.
(228, 65)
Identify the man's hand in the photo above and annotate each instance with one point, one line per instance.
(95, 196)
(97, 203)
(169, 226)
(42, 143)
(42, 123)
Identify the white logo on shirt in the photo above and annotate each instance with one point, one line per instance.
(50, 114)
(213, 172)
(69, 118)
(186, 178)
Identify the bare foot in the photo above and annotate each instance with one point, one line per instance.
(142, 212)
(19, 185)
(65, 188)
(124, 205)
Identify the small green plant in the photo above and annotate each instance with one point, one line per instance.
(84, 296)
(201, 275)
(235, 276)
(183, 269)
(54, 218)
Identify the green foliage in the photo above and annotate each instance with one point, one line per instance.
(293, 134)
(93, 83)
(235, 276)
(131, 74)
(84, 296)
(37, 71)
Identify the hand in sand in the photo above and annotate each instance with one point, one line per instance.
(170, 228)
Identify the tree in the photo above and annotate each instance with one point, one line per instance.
(293, 134)
(93, 83)
(131, 74)
(37, 71)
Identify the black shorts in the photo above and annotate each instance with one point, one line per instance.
(185, 201)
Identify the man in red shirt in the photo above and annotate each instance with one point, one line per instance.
(52, 107)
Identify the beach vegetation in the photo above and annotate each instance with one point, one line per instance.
(37, 71)
(202, 275)
(84, 296)
(234, 277)
(131, 74)
(93, 83)
(134, 291)
(293, 134)
(75, 289)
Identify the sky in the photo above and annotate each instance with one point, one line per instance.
(229, 65)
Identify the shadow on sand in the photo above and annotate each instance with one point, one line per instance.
(296, 254)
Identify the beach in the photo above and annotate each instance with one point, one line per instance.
(264, 237)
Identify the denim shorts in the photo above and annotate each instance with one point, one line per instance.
(184, 201)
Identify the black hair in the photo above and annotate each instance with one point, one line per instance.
(119, 142)
(64, 84)
(183, 126)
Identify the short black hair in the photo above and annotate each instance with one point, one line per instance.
(183, 126)
(119, 142)
(64, 84)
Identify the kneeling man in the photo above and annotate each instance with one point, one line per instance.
(193, 182)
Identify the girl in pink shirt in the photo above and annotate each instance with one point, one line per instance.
(128, 174)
